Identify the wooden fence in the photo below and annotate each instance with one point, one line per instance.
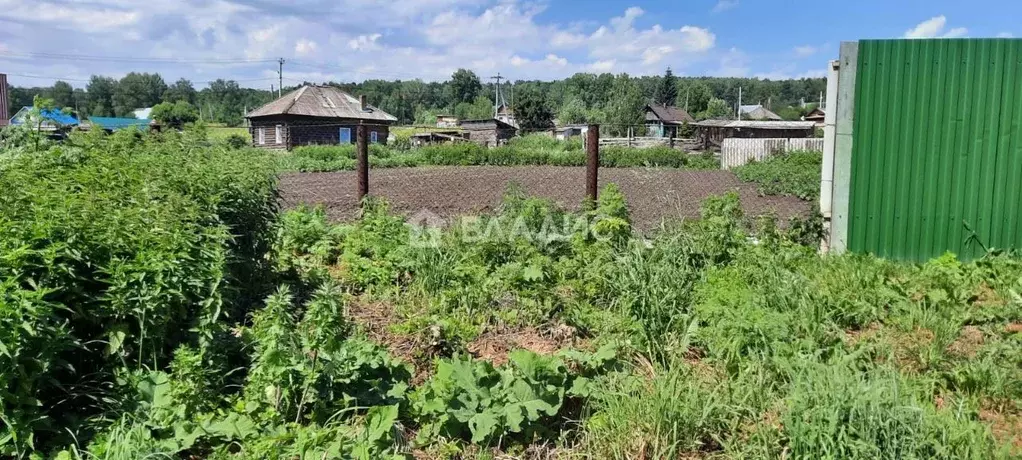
(647, 142)
(736, 152)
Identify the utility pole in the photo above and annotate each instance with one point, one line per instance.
(280, 75)
(739, 102)
(497, 97)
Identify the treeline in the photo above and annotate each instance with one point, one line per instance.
(222, 101)
(584, 97)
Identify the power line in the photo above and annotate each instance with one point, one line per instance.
(82, 57)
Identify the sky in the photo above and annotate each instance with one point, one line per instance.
(354, 40)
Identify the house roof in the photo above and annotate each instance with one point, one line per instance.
(321, 101)
(55, 116)
(115, 124)
(759, 112)
(670, 114)
(816, 113)
(499, 124)
(755, 124)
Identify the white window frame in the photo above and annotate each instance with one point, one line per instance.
(261, 137)
(277, 137)
(374, 137)
(340, 138)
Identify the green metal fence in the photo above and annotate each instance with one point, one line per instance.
(936, 160)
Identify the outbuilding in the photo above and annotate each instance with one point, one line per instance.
(311, 115)
(713, 132)
(490, 132)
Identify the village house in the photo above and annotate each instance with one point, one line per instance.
(817, 116)
(758, 112)
(50, 120)
(713, 132)
(488, 133)
(316, 115)
(446, 121)
(663, 121)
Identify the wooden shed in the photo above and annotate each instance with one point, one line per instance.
(316, 115)
(663, 121)
(488, 133)
(713, 132)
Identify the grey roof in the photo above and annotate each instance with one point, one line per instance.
(759, 112)
(479, 124)
(671, 114)
(321, 101)
(756, 124)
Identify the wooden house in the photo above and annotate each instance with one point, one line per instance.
(713, 132)
(758, 112)
(316, 115)
(817, 116)
(488, 133)
(663, 121)
(446, 121)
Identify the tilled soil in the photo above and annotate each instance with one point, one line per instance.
(654, 195)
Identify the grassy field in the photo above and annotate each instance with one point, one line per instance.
(155, 303)
(223, 132)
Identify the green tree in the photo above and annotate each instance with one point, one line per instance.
(694, 96)
(482, 108)
(667, 89)
(465, 86)
(100, 96)
(532, 112)
(175, 114)
(717, 109)
(573, 111)
(62, 94)
(625, 110)
(181, 90)
(138, 90)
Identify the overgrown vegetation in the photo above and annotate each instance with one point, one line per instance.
(794, 173)
(154, 304)
(527, 150)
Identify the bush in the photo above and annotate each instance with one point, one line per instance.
(113, 253)
(788, 174)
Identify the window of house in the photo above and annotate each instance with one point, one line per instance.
(345, 136)
(277, 138)
(262, 136)
(374, 137)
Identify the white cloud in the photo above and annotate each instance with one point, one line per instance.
(934, 28)
(733, 63)
(1005, 35)
(305, 47)
(603, 66)
(724, 5)
(262, 41)
(805, 51)
(364, 42)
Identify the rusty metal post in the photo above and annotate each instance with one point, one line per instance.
(362, 161)
(592, 161)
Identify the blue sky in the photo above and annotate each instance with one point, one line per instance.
(347, 40)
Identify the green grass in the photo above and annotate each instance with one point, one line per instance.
(788, 174)
(154, 302)
(527, 150)
(223, 132)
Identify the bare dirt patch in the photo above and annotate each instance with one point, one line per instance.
(494, 346)
(968, 342)
(653, 194)
(1006, 427)
(1014, 328)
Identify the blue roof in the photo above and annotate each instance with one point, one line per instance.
(55, 116)
(115, 124)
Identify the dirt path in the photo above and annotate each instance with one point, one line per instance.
(653, 194)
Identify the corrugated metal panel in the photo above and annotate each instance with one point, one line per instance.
(936, 161)
(736, 152)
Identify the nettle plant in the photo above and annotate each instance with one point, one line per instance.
(523, 401)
